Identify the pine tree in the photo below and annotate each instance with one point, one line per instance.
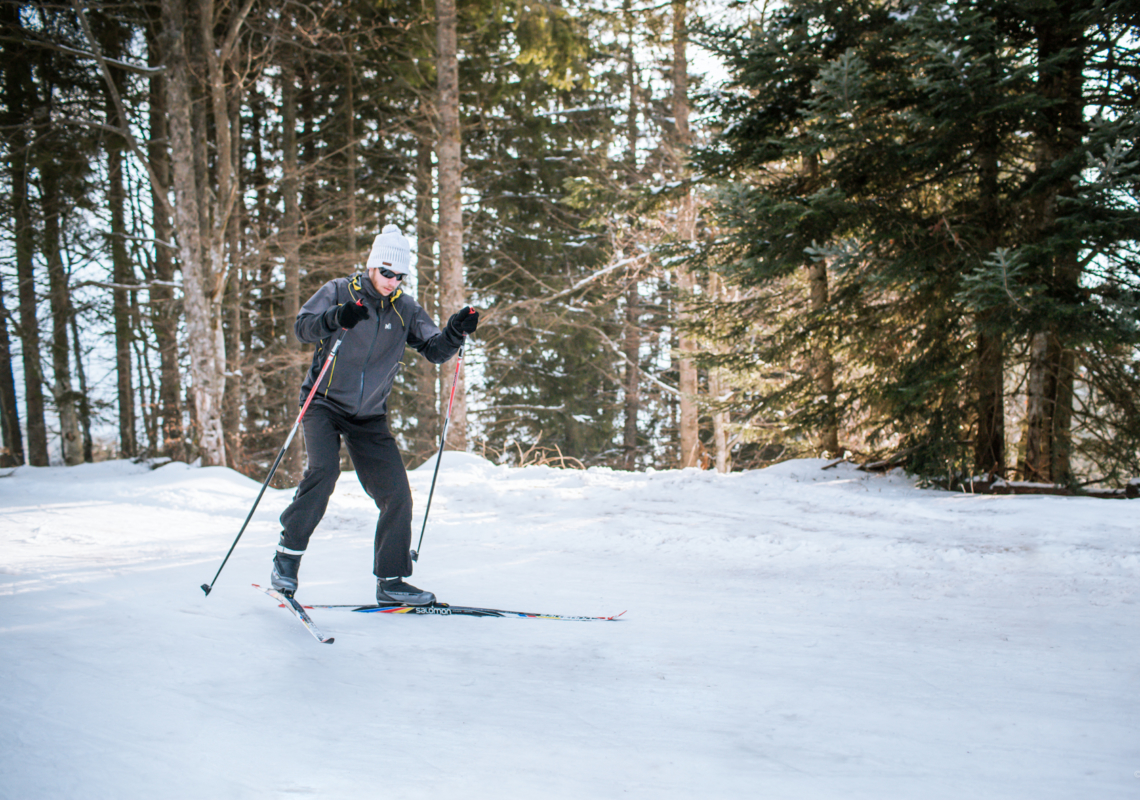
(938, 204)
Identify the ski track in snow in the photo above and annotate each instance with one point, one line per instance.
(790, 633)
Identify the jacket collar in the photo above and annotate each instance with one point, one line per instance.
(361, 285)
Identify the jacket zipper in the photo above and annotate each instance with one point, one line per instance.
(375, 336)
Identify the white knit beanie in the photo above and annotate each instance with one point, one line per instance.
(390, 251)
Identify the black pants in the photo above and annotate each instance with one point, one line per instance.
(380, 471)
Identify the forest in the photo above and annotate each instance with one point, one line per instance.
(700, 233)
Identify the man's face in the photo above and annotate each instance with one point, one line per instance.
(383, 285)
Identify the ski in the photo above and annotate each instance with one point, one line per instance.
(447, 610)
(298, 611)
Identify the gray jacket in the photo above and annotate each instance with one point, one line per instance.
(359, 379)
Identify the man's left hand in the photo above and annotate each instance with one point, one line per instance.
(463, 322)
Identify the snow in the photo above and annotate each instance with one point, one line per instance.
(790, 633)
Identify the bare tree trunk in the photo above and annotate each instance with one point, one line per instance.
(291, 223)
(823, 366)
(163, 309)
(207, 356)
(224, 92)
(122, 272)
(71, 440)
(631, 330)
(1039, 392)
(147, 392)
(720, 424)
(33, 376)
(989, 441)
(18, 97)
(1049, 402)
(450, 154)
(686, 231)
(11, 439)
(718, 387)
(1063, 417)
(84, 397)
(21, 95)
(819, 356)
(71, 444)
(631, 347)
(686, 367)
(350, 153)
(290, 238)
(234, 394)
(427, 277)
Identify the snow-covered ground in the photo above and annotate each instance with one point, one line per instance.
(790, 633)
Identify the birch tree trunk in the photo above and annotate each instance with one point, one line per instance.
(200, 286)
(84, 396)
(70, 438)
(163, 309)
(686, 232)
(224, 91)
(450, 155)
(718, 388)
(71, 441)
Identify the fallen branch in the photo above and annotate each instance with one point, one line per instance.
(887, 464)
(999, 486)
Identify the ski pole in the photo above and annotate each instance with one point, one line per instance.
(439, 456)
(207, 587)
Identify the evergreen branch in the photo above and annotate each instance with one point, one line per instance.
(617, 349)
(571, 290)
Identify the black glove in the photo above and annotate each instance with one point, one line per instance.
(463, 323)
(346, 316)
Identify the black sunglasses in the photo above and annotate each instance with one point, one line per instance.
(387, 273)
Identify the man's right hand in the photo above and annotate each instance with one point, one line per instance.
(346, 316)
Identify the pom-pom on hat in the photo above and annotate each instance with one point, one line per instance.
(390, 251)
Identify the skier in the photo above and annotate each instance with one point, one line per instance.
(378, 319)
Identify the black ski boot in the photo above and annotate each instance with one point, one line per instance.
(395, 591)
(284, 576)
